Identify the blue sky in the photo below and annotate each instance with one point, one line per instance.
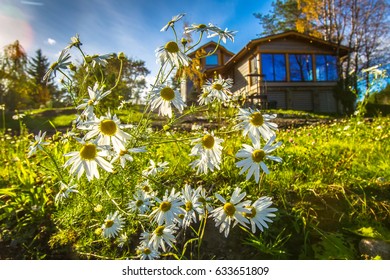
(131, 26)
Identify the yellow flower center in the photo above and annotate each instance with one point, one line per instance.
(139, 203)
(208, 141)
(256, 119)
(159, 230)
(167, 94)
(171, 47)
(90, 102)
(147, 251)
(108, 127)
(109, 223)
(217, 86)
(146, 189)
(165, 206)
(123, 152)
(188, 206)
(88, 152)
(54, 65)
(200, 26)
(205, 94)
(250, 215)
(88, 59)
(258, 155)
(229, 209)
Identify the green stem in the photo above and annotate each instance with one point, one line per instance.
(4, 128)
(119, 75)
(197, 43)
(55, 163)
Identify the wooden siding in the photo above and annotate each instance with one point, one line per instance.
(292, 46)
(241, 69)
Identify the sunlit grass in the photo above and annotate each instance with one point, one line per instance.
(334, 180)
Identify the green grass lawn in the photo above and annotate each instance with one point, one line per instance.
(331, 190)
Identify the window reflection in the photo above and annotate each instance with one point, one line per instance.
(273, 67)
(212, 60)
(301, 68)
(326, 68)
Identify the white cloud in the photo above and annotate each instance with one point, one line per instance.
(51, 41)
(33, 3)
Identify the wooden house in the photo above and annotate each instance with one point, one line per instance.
(288, 71)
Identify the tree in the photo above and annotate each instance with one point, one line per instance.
(13, 79)
(129, 86)
(42, 92)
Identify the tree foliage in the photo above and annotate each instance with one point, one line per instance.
(129, 86)
(41, 91)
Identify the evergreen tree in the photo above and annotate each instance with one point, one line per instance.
(42, 92)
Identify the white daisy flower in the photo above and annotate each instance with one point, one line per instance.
(64, 191)
(255, 124)
(123, 239)
(87, 160)
(61, 63)
(98, 59)
(124, 155)
(108, 131)
(192, 205)
(254, 158)
(155, 168)
(172, 53)
(198, 28)
(223, 34)
(162, 235)
(219, 89)
(210, 151)
(145, 238)
(146, 187)
(141, 202)
(74, 42)
(231, 212)
(37, 144)
(146, 252)
(169, 208)
(205, 98)
(112, 225)
(260, 213)
(171, 23)
(95, 96)
(163, 97)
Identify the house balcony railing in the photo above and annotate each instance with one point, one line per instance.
(259, 98)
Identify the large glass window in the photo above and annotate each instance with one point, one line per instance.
(326, 67)
(273, 67)
(301, 67)
(212, 60)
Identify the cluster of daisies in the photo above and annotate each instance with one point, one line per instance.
(106, 142)
(173, 55)
(178, 210)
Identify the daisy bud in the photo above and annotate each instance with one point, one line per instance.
(88, 59)
(121, 56)
(184, 41)
(72, 67)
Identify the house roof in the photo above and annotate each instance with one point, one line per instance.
(211, 44)
(288, 34)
